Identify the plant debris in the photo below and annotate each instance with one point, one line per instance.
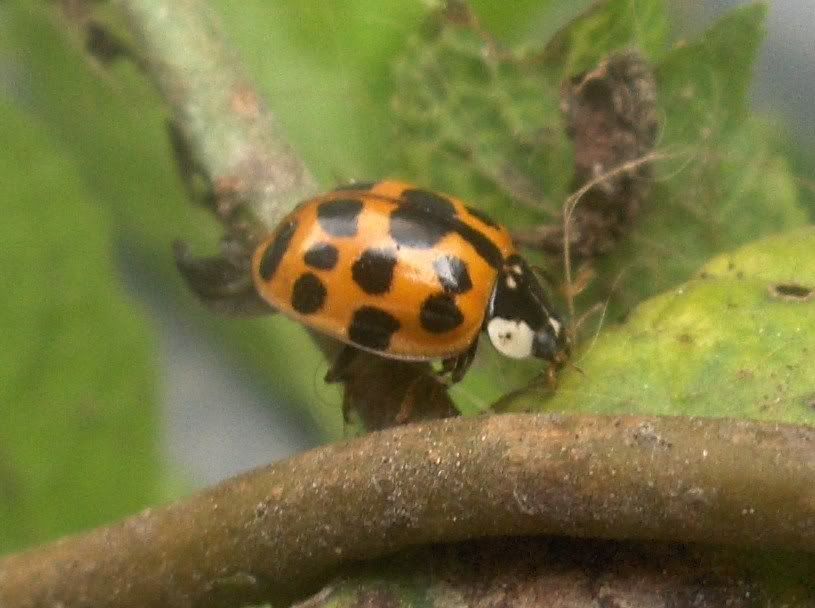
(611, 118)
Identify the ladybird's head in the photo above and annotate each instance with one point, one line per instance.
(520, 321)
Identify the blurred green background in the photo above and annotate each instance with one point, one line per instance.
(117, 390)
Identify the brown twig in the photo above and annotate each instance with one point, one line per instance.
(276, 532)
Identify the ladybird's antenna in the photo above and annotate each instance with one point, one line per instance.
(576, 368)
(571, 204)
(604, 307)
(598, 306)
(543, 273)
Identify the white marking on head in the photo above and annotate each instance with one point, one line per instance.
(511, 338)
(511, 282)
(556, 326)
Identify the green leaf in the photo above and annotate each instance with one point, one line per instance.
(738, 187)
(324, 66)
(78, 423)
(730, 183)
(704, 84)
(113, 127)
(724, 344)
(614, 25)
(489, 129)
(478, 124)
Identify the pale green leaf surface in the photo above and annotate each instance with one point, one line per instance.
(78, 422)
(720, 345)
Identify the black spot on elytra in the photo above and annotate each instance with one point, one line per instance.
(416, 230)
(483, 217)
(322, 256)
(440, 314)
(373, 270)
(428, 202)
(453, 274)
(308, 294)
(355, 186)
(422, 219)
(372, 328)
(339, 217)
(274, 253)
(482, 245)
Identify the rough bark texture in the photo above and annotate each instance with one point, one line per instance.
(278, 531)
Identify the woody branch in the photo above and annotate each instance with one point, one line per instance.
(276, 532)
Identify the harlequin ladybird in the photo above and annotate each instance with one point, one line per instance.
(406, 273)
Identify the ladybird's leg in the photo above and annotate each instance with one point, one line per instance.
(447, 366)
(346, 411)
(337, 372)
(464, 361)
(457, 366)
(551, 376)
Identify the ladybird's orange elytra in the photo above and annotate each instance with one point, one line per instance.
(387, 267)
